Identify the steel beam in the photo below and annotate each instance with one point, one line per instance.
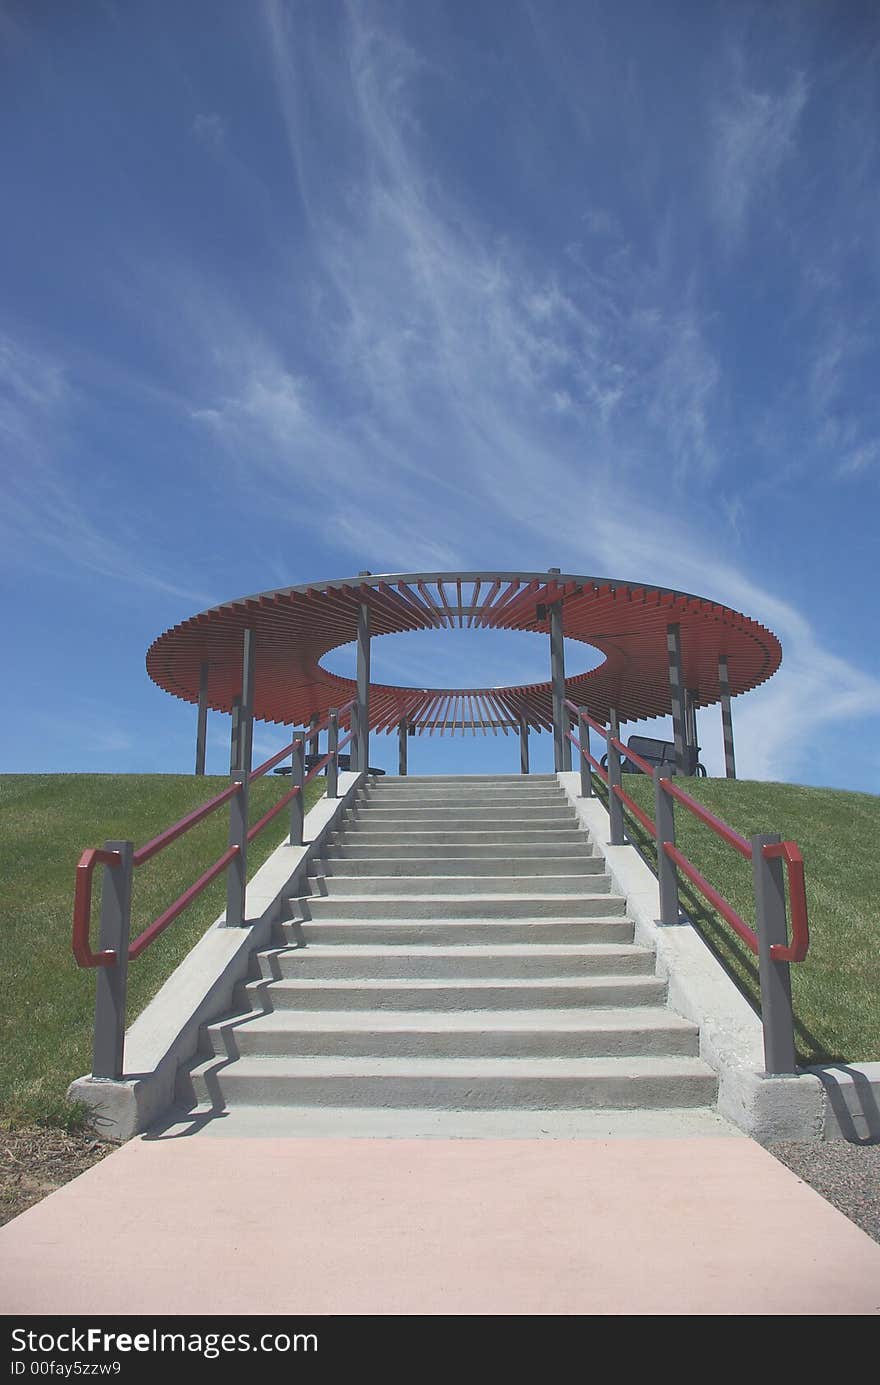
(726, 717)
(333, 752)
(236, 871)
(561, 743)
(615, 807)
(523, 746)
(363, 686)
(202, 722)
(677, 697)
(401, 745)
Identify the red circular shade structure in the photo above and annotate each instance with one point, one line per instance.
(295, 627)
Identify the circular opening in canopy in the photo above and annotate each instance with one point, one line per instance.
(618, 650)
(460, 658)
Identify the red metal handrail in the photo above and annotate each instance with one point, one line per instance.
(709, 892)
(633, 757)
(143, 940)
(93, 856)
(796, 950)
(82, 906)
(273, 812)
(637, 812)
(719, 827)
(587, 756)
(579, 711)
(179, 829)
(799, 946)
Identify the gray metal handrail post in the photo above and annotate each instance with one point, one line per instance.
(615, 807)
(112, 982)
(333, 752)
(240, 770)
(586, 767)
(298, 775)
(667, 872)
(771, 926)
(354, 742)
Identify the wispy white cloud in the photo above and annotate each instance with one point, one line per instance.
(465, 402)
(47, 513)
(753, 134)
(209, 129)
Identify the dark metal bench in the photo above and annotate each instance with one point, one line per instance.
(657, 753)
(312, 760)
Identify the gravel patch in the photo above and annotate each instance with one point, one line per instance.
(847, 1175)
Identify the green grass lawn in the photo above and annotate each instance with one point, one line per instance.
(836, 991)
(46, 820)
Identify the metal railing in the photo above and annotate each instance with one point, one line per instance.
(768, 939)
(120, 859)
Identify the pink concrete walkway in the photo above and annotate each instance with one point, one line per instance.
(640, 1226)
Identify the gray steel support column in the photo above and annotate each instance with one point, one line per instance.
(561, 743)
(772, 927)
(112, 982)
(333, 752)
(586, 767)
(615, 807)
(297, 780)
(236, 871)
(726, 717)
(401, 746)
(676, 697)
(234, 735)
(667, 872)
(202, 722)
(523, 746)
(690, 728)
(314, 740)
(363, 684)
(353, 744)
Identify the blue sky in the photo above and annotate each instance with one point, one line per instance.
(290, 290)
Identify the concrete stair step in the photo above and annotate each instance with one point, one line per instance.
(483, 931)
(488, 799)
(455, 993)
(336, 867)
(482, 1033)
(362, 834)
(391, 780)
(451, 906)
(547, 815)
(487, 852)
(513, 783)
(449, 960)
(413, 1123)
(337, 886)
(456, 1083)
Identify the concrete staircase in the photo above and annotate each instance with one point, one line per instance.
(459, 950)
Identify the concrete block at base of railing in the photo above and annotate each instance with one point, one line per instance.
(835, 1101)
(166, 1034)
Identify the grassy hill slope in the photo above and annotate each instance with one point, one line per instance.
(46, 820)
(836, 991)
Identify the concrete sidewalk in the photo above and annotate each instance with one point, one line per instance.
(460, 1226)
